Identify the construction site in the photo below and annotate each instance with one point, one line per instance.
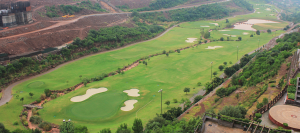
(14, 14)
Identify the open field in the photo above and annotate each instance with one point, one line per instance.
(171, 73)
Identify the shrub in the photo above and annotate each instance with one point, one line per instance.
(273, 81)
(175, 100)
(25, 113)
(272, 85)
(25, 123)
(197, 98)
(23, 119)
(199, 84)
(53, 96)
(38, 100)
(16, 123)
(45, 126)
(285, 124)
(251, 35)
(36, 119)
(259, 105)
(43, 96)
(217, 99)
(258, 115)
(291, 96)
(47, 92)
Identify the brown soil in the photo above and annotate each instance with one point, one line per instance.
(107, 7)
(131, 3)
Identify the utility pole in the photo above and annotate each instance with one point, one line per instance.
(160, 100)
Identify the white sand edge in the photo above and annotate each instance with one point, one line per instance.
(191, 40)
(132, 92)
(88, 94)
(214, 47)
(129, 105)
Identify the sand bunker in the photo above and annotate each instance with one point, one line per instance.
(248, 25)
(224, 30)
(191, 40)
(205, 26)
(214, 47)
(132, 92)
(258, 12)
(257, 8)
(89, 93)
(245, 33)
(271, 14)
(230, 35)
(129, 105)
(216, 24)
(268, 9)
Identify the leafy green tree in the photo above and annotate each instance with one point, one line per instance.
(225, 63)
(227, 21)
(47, 92)
(167, 102)
(257, 32)
(178, 50)
(175, 100)
(237, 96)
(269, 31)
(67, 127)
(123, 128)
(137, 126)
(3, 129)
(221, 92)
(199, 84)
(207, 35)
(167, 54)
(221, 67)
(221, 38)
(240, 38)
(105, 130)
(197, 98)
(81, 129)
(135, 14)
(186, 90)
(265, 101)
(259, 105)
(215, 73)
(31, 94)
(22, 99)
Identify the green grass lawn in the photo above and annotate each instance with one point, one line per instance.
(169, 73)
(172, 74)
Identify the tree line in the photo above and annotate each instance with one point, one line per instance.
(244, 4)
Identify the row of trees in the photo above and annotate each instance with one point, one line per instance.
(244, 4)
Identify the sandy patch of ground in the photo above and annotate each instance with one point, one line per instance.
(129, 105)
(230, 35)
(271, 14)
(268, 9)
(89, 93)
(132, 92)
(248, 25)
(257, 8)
(191, 40)
(214, 47)
(205, 26)
(216, 24)
(224, 30)
(245, 33)
(258, 12)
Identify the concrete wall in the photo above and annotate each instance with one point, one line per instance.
(28, 17)
(20, 18)
(9, 20)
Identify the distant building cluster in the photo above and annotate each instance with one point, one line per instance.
(13, 14)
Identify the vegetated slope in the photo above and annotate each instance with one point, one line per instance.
(255, 79)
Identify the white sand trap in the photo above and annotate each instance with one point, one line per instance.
(89, 93)
(191, 40)
(257, 8)
(248, 25)
(268, 9)
(129, 105)
(258, 12)
(233, 35)
(132, 92)
(245, 33)
(224, 30)
(205, 26)
(214, 47)
(271, 14)
(216, 24)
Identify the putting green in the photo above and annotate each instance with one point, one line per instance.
(99, 106)
(35, 84)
